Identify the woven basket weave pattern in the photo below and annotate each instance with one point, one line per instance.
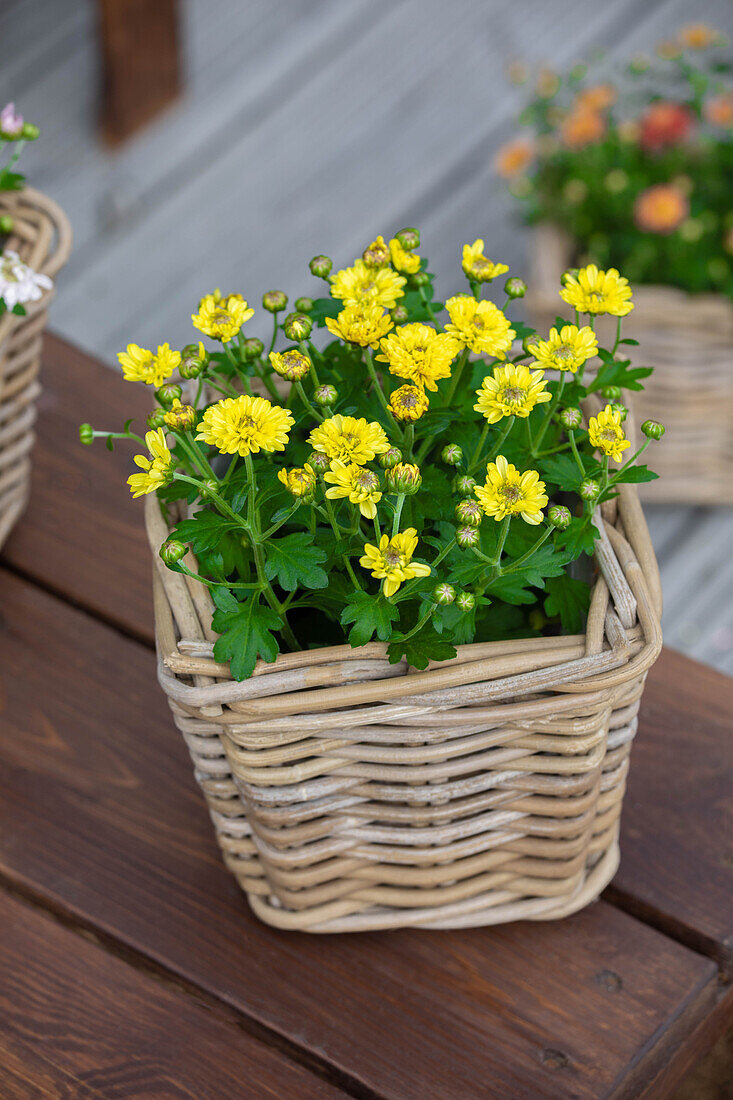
(349, 794)
(688, 339)
(42, 237)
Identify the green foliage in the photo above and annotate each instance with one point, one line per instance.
(570, 599)
(295, 562)
(427, 645)
(246, 632)
(370, 615)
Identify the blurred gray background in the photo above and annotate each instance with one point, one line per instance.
(310, 126)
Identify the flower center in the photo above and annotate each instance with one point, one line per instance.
(366, 480)
(511, 493)
(514, 395)
(564, 352)
(608, 434)
(8, 273)
(391, 557)
(221, 317)
(481, 266)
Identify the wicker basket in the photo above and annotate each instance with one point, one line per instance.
(42, 237)
(349, 794)
(689, 340)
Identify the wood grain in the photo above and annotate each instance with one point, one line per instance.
(100, 818)
(676, 856)
(76, 1022)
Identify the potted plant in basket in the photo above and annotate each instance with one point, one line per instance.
(631, 168)
(405, 596)
(35, 238)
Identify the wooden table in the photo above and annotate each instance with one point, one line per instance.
(130, 963)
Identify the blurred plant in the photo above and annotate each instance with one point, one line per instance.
(14, 133)
(637, 169)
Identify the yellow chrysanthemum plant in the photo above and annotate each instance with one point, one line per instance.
(387, 466)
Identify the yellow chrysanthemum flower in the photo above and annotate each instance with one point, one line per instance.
(360, 284)
(480, 326)
(300, 481)
(245, 425)
(606, 434)
(291, 364)
(419, 353)
(349, 439)
(156, 469)
(509, 493)
(377, 253)
(407, 263)
(219, 319)
(392, 562)
(595, 291)
(567, 349)
(477, 266)
(513, 390)
(360, 485)
(408, 403)
(140, 365)
(364, 324)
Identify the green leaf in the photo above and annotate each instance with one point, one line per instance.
(245, 633)
(570, 599)
(579, 538)
(512, 588)
(323, 308)
(636, 474)
(619, 373)
(425, 646)
(295, 561)
(370, 615)
(562, 470)
(204, 531)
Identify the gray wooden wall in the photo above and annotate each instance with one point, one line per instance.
(310, 126)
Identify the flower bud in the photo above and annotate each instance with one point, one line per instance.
(623, 412)
(590, 489)
(468, 513)
(390, 458)
(452, 455)
(377, 254)
(319, 462)
(652, 429)
(304, 305)
(180, 417)
(30, 131)
(209, 487)
(571, 273)
(321, 266)
(405, 478)
(466, 537)
(251, 349)
(465, 601)
(300, 482)
(559, 516)
(156, 419)
(420, 278)
(173, 551)
(571, 419)
(292, 364)
(528, 343)
(464, 485)
(444, 594)
(6, 224)
(297, 326)
(274, 301)
(86, 434)
(193, 361)
(325, 396)
(515, 288)
(399, 314)
(168, 393)
(611, 393)
(408, 238)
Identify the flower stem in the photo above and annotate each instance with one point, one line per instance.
(380, 392)
(420, 622)
(397, 513)
(456, 376)
(550, 413)
(574, 448)
(302, 395)
(532, 550)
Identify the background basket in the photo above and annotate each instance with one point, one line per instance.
(688, 339)
(42, 237)
(349, 794)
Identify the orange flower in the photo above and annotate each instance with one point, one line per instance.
(598, 98)
(547, 84)
(660, 209)
(719, 109)
(513, 158)
(664, 124)
(697, 36)
(582, 128)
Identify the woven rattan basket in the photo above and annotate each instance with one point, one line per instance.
(42, 237)
(349, 794)
(688, 339)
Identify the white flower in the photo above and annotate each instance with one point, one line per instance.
(18, 282)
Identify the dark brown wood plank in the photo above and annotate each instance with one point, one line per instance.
(677, 859)
(100, 558)
(675, 870)
(77, 1022)
(141, 63)
(100, 819)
